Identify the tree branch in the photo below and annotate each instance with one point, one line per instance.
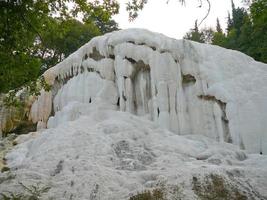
(208, 12)
(134, 6)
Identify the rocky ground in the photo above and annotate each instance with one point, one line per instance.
(116, 155)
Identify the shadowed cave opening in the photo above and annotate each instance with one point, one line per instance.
(137, 96)
(142, 88)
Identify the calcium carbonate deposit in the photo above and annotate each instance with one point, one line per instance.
(135, 110)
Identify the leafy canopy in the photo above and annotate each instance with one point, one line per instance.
(35, 35)
(246, 31)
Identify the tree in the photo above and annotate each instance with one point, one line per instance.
(195, 34)
(245, 32)
(17, 69)
(229, 23)
(63, 37)
(30, 37)
(207, 35)
(218, 36)
(258, 17)
(17, 65)
(218, 26)
(239, 16)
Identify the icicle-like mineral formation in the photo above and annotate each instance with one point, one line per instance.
(186, 87)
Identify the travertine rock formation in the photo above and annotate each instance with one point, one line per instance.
(186, 87)
(91, 150)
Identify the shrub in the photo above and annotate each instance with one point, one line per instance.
(155, 194)
(32, 192)
(171, 192)
(215, 187)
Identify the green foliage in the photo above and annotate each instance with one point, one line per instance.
(32, 39)
(35, 87)
(16, 98)
(163, 192)
(17, 65)
(16, 103)
(245, 32)
(195, 34)
(11, 100)
(215, 187)
(155, 194)
(257, 34)
(208, 35)
(63, 37)
(32, 192)
(176, 192)
(218, 26)
(218, 39)
(24, 127)
(5, 169)
(11, 196)
(16, 69)
(44, 84)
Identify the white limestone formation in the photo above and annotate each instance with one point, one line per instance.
(186, 87)
(112, 155)
(103, 141)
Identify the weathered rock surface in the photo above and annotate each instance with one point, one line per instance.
(110, 155)
(135, 110)
(186, 87)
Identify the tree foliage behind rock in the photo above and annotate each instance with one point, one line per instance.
(35, 35)
(246, 31)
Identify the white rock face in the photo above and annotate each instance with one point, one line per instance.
(111, 155)
(186, 87)
(134, 110)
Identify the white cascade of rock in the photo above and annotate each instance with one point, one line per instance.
(186, 87)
